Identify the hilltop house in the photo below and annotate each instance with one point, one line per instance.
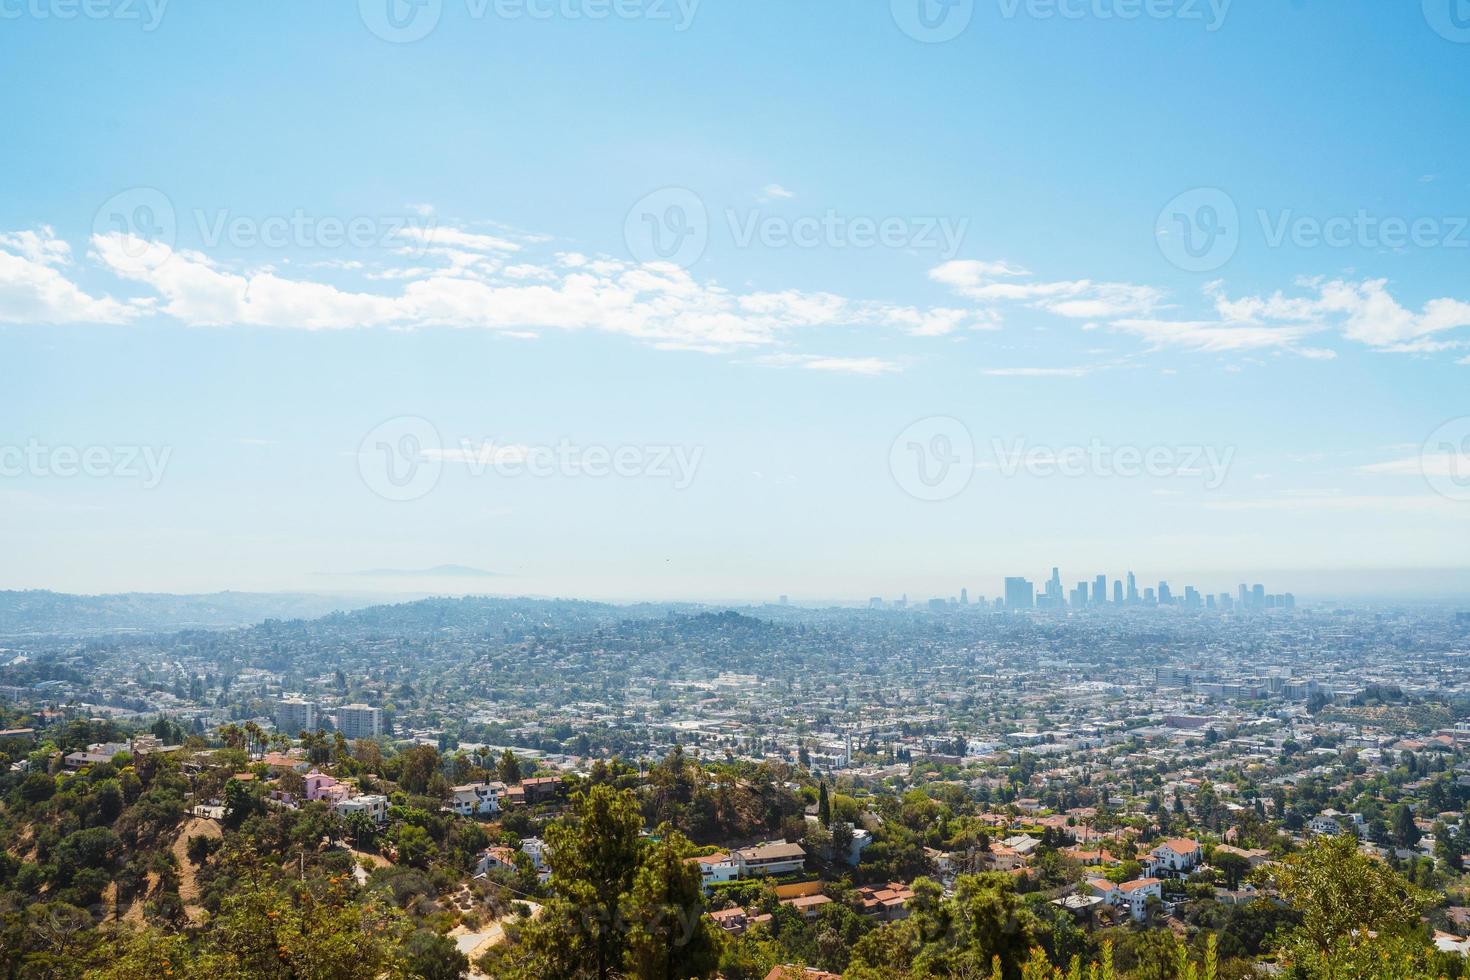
(777, 858)
(1176, 857)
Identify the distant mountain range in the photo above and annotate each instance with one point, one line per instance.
(40, 612)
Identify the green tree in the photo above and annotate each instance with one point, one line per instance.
(670, 938)
(434, 957)
(593, 865)
(1405, 832)
(509, 769)
(1232, 867)
(1353, 908)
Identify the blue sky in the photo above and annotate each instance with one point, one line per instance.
(1099, 283)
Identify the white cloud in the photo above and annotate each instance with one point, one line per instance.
(1451, 465)
(440, 236)
(995, 283)
(1363, 311)
(864, 366)
(775, 192)
(1212, 336)
(1039, 372)
(34, 289)
(658, 303)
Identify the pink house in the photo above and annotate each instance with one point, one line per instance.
(320, 786)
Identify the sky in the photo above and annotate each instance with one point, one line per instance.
(724, 300)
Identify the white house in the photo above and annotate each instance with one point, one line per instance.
(496, 857)
(374, 805)
(1178, 856)
(1331, 821)
(1135, 895)
(1130, 895)
(477, 799)
(535, 849)
(777, 858)
(715, 869)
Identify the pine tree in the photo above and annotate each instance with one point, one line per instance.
(670, 937)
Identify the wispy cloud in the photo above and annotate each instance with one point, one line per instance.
(657, 303)
(1039, 372)
(775, 192)
(996, 283)
(865, 366)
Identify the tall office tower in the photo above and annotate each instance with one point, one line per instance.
(1148, 598)
(295, 715)
(1166, 598)
(1227, 603)
(1245, 596)
(964, 597)
(359, 721)
(1191, 597)
(1288, 602)
(1054, 586)
(1132, 590)
(1258, 596)
(1100, 590)
(1210, 601)
(1079, 596)
(1020, 594)
(1117, 592)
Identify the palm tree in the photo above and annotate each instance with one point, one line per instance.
(232, 735)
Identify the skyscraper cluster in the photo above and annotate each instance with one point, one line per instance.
(1021, 594)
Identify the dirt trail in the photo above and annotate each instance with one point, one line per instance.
(188, 880)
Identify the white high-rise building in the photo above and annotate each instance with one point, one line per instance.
(359, 721)
(295, 715)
